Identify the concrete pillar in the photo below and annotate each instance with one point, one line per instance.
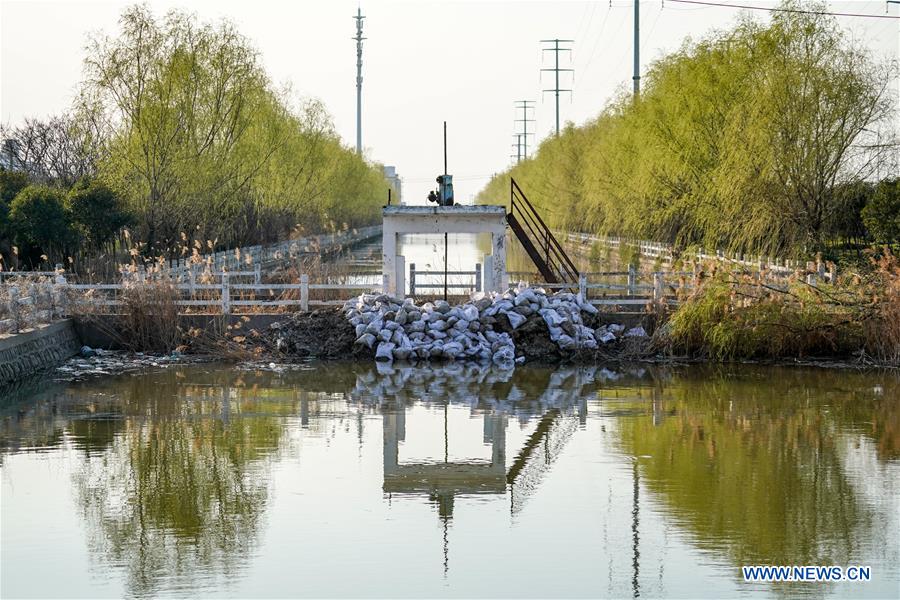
(400, 266)
(487, 273)
(304, 409)
(499, 277)
(391, 443)
(389, 252)
(498, 439)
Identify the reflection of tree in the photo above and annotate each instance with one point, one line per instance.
(760, 467)
(181, 490)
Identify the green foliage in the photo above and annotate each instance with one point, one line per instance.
(98, 212)
(41, 223)
(206, 146)
(11, 183)
(738, 141)
(846, 222)
(882, 214)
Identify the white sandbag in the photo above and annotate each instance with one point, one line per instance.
(438, 326)
(504, 354)
(525, 297)
(403, 352)
(375, 326)
(636, 332)
(588, 308)
(552, 317)
(385, 352)
(605, 337)
(515, 319)
(366, 339)
(469, 312)
(452, 350)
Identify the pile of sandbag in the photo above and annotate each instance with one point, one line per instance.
(401, 330)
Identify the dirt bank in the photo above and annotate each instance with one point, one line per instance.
(322, 333)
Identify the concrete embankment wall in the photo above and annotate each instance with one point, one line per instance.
(25, 354)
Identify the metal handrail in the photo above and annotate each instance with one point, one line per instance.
(551, 243)
(541, 232)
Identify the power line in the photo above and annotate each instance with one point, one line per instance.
(597, 42)
(556, 49)
(786, 10)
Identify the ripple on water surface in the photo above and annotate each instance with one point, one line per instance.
(354, 480)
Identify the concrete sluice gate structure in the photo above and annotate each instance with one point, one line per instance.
(401, 220)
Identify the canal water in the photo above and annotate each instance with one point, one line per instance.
(426, 254)
(349, 480)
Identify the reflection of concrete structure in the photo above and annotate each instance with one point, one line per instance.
(444, 480)
(399, 220)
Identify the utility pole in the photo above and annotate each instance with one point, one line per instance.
(446, 239)
(359, 40)
(637, 49)
(524, 106)
(518, 147)
(556, 49)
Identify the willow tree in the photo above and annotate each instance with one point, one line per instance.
(743, 139)
(202, 144)
(823, 106)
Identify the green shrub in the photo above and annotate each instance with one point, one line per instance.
(98, 211)
(11, 183)
(41, 224)
(881, 215)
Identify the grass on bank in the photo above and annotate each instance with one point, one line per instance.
(742, 316)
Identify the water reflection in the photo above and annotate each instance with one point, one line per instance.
(175, 474)
(760, 470)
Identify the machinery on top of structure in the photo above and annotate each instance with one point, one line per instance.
(444, 194)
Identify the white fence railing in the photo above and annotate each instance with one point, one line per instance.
(242, 262)
(262, 256)
(24, 306)
(433, 281)
(665, 252)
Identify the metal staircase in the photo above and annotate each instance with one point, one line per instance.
(542, 247)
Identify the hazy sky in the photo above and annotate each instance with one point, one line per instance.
(424, 62)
